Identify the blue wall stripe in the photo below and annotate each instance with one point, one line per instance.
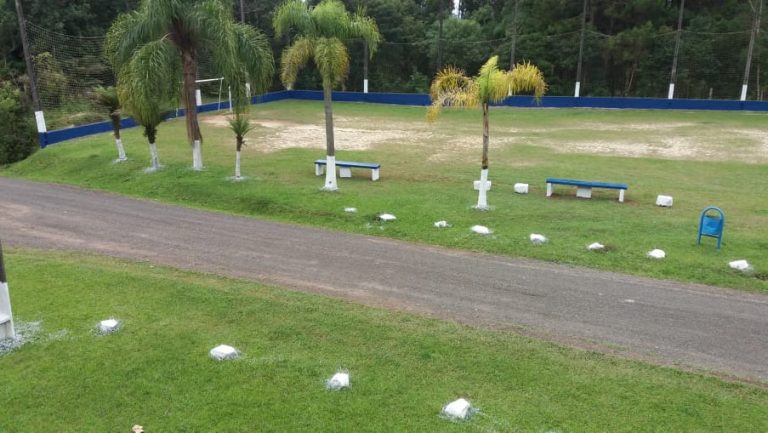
(415, 99)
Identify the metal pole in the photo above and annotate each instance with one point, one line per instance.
(365, 67)
(242, 12)
(755, 30)
(514, 36)
(577, 90)
(440, 36)
(673, 75)
(27, 56)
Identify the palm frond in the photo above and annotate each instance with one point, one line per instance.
(332, 60)
(294, 58)
(365, 28)
(526, 77)
(293, 14)
(492, 82)
(331, 19)
(255, 54)
(451, 87)
(240, 125)
(106, 97)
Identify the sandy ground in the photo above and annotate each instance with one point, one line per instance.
(671, 140)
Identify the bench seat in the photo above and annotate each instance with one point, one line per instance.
(584, 187)
(346, 166)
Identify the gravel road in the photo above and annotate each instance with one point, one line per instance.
(691, 326)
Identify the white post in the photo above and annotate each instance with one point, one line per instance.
(229, 90)
(237, 165)
(6, 316)
(577, 89)
(365, 86)
(671, 93)
(482, 198)
(197, 156)
(40, 119)
(743, 92)
(248, 90)
(330, 174)
(198, 97)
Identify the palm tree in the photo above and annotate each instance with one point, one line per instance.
(106, 98)
(320, 35)
(172, 35)
(240, 125)
(491, 85)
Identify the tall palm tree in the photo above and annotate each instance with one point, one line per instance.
(320, 35)
(451, 87)
(176, 33)
(106, 98)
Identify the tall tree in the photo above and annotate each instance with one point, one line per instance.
(451, 87)
(320, 35)
(178, 32)
(106, 98)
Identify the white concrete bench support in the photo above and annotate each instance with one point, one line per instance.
(345, 168)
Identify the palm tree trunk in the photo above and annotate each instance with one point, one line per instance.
(482, 198)
(155, 159)
(118, 142)
(330, 172)
(190, 107)
(237, 158)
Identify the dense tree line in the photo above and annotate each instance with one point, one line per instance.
(628, 44)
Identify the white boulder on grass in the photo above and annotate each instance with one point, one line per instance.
(664, 201)
(339, 381)
(224, 352)
(481, 230)
(441, 224)
(657, 254)
(595, 246)
(350, 209)
(521, 188)
(537, 239)
(387, 217)
(458, 409)
(740, 265)
(109, 326)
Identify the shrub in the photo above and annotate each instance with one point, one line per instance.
(17, 130)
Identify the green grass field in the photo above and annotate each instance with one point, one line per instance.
(156, 372)
(700, 158)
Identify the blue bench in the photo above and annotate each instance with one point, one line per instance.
(345, 168)
(584, 187)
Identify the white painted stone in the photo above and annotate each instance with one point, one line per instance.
(350, 209)
(458, 409)
(137, 429)
(477, 183)
(109, 326)
(338, 381)
(224, 352)
(664, 200)
(657, 254)
(387, 217)
(441, 224)
(481, 230)
(740, 265)
(521, 188)
(595, 246)
(537, 239)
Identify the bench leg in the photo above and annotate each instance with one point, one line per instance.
(319, 169)
(621, 196)
(582, 192)
(549, 189)
(345, 172)
(375, 174)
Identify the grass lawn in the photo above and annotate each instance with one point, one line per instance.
(156, 372)
(700, 158)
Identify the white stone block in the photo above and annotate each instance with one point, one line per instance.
(108, 326)
(521, 188)
(657, 254)
(595, 246)
(345, 172)
(223, 352)
(481, 230)
(338, 381)
(350, 209)
(664, 200)
(537, 239)
(387, 217)
(740, 265)
(458, 409)
(441, 224)
(582, 192)
(477, 185)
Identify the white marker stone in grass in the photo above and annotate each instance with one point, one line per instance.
(387, 217)
(657, 254)
(740, 265)
(481, 230)
(441, 224)
(339, 381)
(595, 246)
(350, 209)
(223, 352)
(521, 188)
(664, 200)
(108, 326)
(537, 239)
(458, 409)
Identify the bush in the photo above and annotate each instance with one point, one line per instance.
(17, 130)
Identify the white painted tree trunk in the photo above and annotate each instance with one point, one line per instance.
(120, 150)
(482, 198)
(155, 161)
(197, 156)
(237, 165)
(330, 174)
(6, 316)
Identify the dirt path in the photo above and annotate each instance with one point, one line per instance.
(692, 326)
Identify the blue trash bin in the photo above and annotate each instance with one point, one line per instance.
(711, 224)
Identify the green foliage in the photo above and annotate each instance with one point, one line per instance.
(17, 131)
